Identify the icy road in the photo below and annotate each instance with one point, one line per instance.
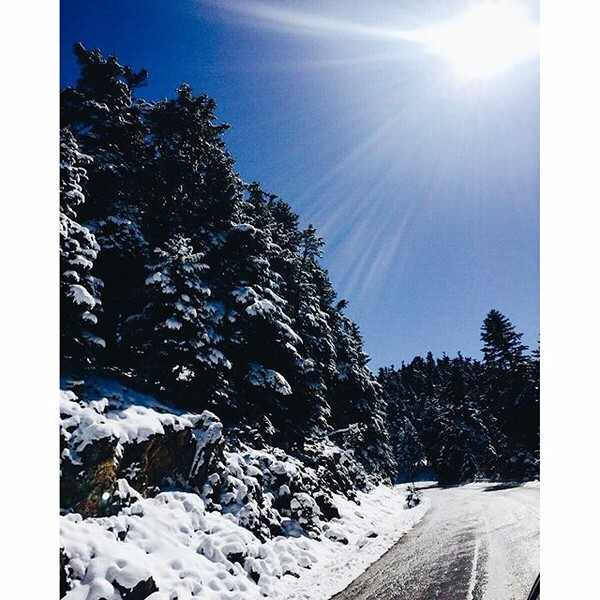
(476, 542)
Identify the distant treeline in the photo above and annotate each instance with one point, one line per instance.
(464, 419)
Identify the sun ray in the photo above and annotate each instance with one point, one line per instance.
(485, 41)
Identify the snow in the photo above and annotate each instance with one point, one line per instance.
(90, 317)
(94, 339)
(210, 542)
(261, 307)
(157, 277)
(531, 484)
(81, 296)
(173, 323)
(81, 261)
(370, 529)
(184, 373)
(193, 553)
(290, 333)
(268, 378)
(188, 311)
(212, 432)
(121, 414)
(245, 227)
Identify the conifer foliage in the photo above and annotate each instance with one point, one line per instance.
(196, 286)
(502, 344)
(79, 289)
(462, 419)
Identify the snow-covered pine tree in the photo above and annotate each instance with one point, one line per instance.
(109, 124)
(174, 342)
(466, 449)
(511, 390)
(80, 302)
(400, 400)
(107, 120)
(357, 402)
(259, 339)
(408, 449)
(191, 187)
(311, 298)
(417, 395)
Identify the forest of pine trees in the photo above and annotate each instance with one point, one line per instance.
(196, 286)
(463, 419)
(204, 291)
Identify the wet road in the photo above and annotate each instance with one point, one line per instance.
(476, 542)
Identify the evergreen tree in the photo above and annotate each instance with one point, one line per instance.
(357, 402)
(466, 447)
(108, 123)
(408, 449)
(260, 340)
(512, 395)
(405, 439)
(107, 120)
(312, 297)
(174, 341)
(190, 188)
(502, 344)
(80, 302)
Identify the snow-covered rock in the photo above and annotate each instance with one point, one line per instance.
(118, 445)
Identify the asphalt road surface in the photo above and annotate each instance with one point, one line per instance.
(476, 542)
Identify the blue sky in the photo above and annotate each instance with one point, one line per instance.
(424, 186)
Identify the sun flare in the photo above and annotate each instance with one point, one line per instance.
(485, 41)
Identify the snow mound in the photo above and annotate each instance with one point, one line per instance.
(190, 552)
(157, 503)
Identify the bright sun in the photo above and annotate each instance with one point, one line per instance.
(484, 42)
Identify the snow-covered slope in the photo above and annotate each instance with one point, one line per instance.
(157, 504)
(181, 550)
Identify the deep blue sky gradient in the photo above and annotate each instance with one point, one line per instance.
(426, 191)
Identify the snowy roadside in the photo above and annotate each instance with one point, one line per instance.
(188, 552)
(371, 529)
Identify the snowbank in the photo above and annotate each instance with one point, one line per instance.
(370, 529)
(192, 553)
(156, 504)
